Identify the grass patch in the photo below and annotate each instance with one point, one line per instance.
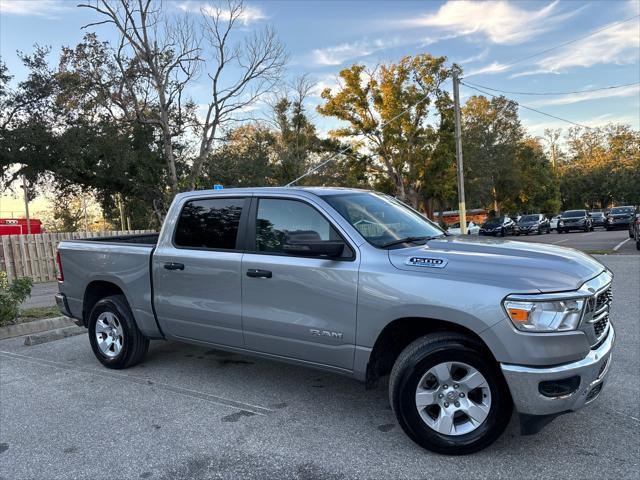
(37, 313)
(600, 252)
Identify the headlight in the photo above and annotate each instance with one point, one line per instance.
(544, 314)
(560, 222)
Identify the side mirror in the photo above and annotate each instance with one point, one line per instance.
(317, 248)
(308, 243)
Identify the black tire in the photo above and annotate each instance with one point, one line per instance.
(415, 360)
(630, 233)
(134, 343)
(637, 244)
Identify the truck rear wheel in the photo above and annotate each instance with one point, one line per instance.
(447, 396)
(114, 336)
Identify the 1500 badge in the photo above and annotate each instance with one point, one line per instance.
(428, 262)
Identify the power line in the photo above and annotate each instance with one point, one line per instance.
(554, 93)
(529, 108)
(547, 50)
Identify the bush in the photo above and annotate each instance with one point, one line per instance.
(11, 297)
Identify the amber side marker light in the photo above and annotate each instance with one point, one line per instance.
(518, 315)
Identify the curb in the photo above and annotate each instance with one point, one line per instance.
(37, 326)
(51, 335)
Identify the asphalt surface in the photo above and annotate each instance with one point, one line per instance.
(196, 413)
(41, 295)
(598, 241)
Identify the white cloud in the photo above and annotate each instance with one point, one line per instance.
(630, 91)
(501, 22)
(250, 14)
(339, 54)
(494, 67)
(41, 8)
(617, 45)
(475, 58)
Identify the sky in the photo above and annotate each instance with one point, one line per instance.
(322, 37)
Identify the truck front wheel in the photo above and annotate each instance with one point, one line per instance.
(447, 396)
(115, 339)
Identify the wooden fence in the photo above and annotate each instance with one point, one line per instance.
(34, 256)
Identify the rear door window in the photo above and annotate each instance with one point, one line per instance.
(209, 223)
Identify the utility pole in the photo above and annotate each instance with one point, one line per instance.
(456, 102)
(121, 206)
(26, 203)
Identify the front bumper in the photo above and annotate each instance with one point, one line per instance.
(524, 381)
(618, 222)
(572, 226)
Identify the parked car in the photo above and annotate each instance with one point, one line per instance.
(634, 230)
(499, 227)
(472, 229)
(598, 219)
(575, 220)
(535, 223)
(620, 217)
(553, 223)
(359, 284)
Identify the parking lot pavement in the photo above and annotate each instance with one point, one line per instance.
(600, 241)
(190, 412)
(42, 295)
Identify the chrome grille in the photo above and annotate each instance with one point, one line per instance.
(600, 326)
(596, 317)
(604, 300)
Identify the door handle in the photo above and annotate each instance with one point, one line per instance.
(257, 273)
(174, 266)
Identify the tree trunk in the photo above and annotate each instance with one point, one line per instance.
(496, 205)
(168, 156)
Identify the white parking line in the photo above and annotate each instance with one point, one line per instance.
(615, 249)
(561, 241)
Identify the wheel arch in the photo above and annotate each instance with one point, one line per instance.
(96, 291)
(399, 333)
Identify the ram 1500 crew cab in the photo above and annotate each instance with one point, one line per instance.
(357, 283)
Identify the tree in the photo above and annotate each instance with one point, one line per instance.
(27, 116)
(538, 187)
(491, 133)
(386, 112)
(241, 73)
(601, 168)
(157, 59)
(244, 159)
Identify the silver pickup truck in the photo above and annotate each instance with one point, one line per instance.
(357, 283)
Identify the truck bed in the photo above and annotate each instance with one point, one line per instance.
(122, 260)
(142, 239)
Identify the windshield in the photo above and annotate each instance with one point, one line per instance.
(574, 214)
(621, 210)
(381, 219)
(597, 214)
(455, 225)
(530, 218)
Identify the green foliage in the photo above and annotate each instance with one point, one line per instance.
(11, 296)
(491, 134)
(601, 167)
(388, 113)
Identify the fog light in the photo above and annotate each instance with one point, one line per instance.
(559, 388)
